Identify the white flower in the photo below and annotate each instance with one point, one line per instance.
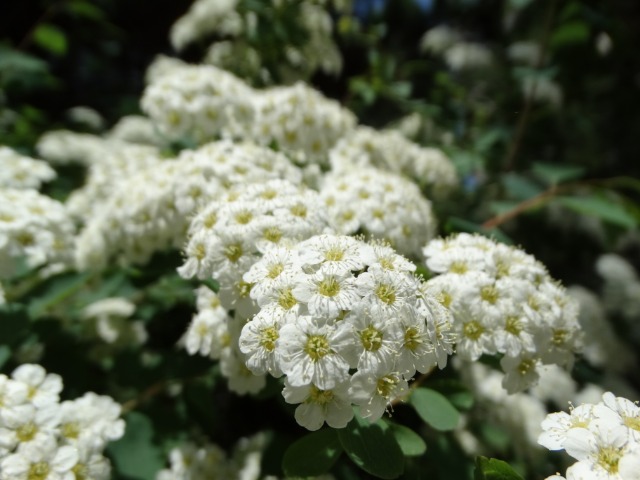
(258, 341)
(375, 393)
(43, 388)
(205, 333)
(25, 424)
(312, 353)
(339, 252)
(42, 460)
(241, 379)
(318, 406)
(328, 291)
(375, 340)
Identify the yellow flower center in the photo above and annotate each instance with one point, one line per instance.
(38, 471)
(412, 338)
(286, 299)
(329, 287)
(268, 337)
(317, 347)
(473, 330)
(386, 293)
(371, 338)
(334, 254)
(233, 252)
(26, 432)
(319, 397)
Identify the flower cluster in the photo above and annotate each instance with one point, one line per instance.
(104, 176)
(347, 322)
(41, 437)
(314, 50)
(503, 302)
(19, 171)
(391, 151)
(214, 333)
(33, 227)
(109, 320)
(63, 146)
(380, 205)
(208, 461)
(135, 129)
(300, 120)
(458, 54)
(150, 211)
(199, 102)
(204, 18)
(204, 103)
(228, 236)
(604, 439)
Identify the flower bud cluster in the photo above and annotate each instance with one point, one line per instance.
(209, 461)
(347, 322)
(503, 302)
(19, 171)
(228, 236)
(391, 151)
(150, 211)
(41, 437)
(379, 205)
(33, 227)
(604, 438)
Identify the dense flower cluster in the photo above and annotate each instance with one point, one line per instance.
(228, 236)
(19, 171)
(35, 228)
(604, 439)
(208, 461)
(135, 129)
(104, 176)
(300, 120)
(347, 322)
(389, 150)
(150, 211)
(503, 301)
(41, 437)
(380, 205)
(202, 103)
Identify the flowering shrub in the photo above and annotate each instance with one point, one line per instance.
(318, 239)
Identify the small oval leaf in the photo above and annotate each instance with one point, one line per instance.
(373, 448)
(434, 409)
(314, 454)
(411, 444)
(494, 469)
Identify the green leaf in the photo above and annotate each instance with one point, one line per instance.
(372, 447)
(314, 454)
(135, 455)
(435, 409)
(494, 469)
(519, 187)
(13, 323)
(411, 444)
(5, 354)
(455, 391)
(571, 33)
(55, 290)
(553, 174)
(84, 9)
(606, 209)
(50, 38)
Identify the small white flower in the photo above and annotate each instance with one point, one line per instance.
(312, 353)
(328, 291)
(319, 406)
(375, 393)
(43, 388)
(340, 252)
(258, 341)
(42, 460)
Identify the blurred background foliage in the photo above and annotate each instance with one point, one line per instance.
(560, 177)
